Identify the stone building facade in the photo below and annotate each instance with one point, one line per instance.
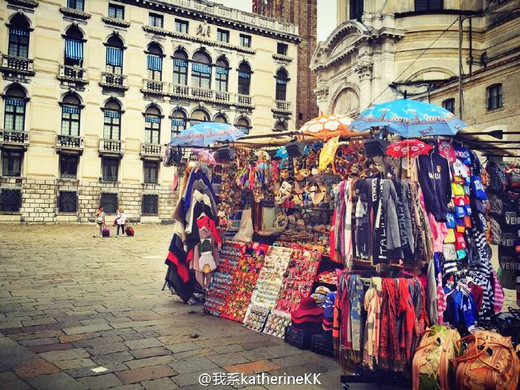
(92, 90)
(380, 50)
(302, 13)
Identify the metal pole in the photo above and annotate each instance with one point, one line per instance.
(460, 68)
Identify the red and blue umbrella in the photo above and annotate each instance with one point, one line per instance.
(207, 133)
(409, 119)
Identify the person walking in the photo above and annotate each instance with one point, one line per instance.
(121, 221)
(100, 220)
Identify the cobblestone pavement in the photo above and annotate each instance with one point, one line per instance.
(70, 303)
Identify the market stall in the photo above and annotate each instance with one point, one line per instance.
(355, 243)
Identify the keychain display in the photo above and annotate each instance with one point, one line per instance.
(277, 322)
(298, 278)
(270, 278)
(243, 282)
(256, 317)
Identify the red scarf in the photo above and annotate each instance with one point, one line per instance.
(389, 340)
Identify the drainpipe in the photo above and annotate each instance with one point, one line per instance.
(470, 45)
(460, 67)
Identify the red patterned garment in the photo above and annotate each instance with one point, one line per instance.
(389, 339)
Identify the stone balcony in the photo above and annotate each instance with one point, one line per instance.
(72, 74)
(282, 106)
(14, 139)
(113, 81)
(111, 147)
(69, 144)
(150, 151)
(211, 96)
(16, 65)
(155, 87)
(245, 101)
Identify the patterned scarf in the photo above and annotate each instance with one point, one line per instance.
(389, 336)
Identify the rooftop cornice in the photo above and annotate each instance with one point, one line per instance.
(223, 16)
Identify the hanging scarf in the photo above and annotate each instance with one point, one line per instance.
(373, 299)
(389, 340)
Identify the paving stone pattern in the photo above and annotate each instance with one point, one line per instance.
(70, 303)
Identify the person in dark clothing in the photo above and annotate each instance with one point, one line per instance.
(434, 177)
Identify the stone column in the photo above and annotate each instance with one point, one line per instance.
(364, 71)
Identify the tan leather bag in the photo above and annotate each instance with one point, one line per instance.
(488, 362)
(431, 366)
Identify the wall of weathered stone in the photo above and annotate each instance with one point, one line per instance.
(40, 200)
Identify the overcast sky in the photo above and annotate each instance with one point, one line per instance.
(326, 14)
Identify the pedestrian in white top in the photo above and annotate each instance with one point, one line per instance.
(121, 221)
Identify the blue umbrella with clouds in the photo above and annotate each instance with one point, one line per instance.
(409, 119)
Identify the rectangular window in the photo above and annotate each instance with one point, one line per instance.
(200, 75)
(14, 114)
(112, 125)
(151, 172)
(155, 20)
(10, 200)
(180, 72)
(70, 116)
(222, 35)
(181, 26)
(152, 129)
(68, 202)
(221, 79)
(150, 205)
(114, 61)
(449, 104)
(12, 162)
(18, 43)
(76, 4)
(68, 166)
(245, 40)
(110, 169)
(116, 11)
(281, 48)
(109, 202)
(178, 125)
(356, 9)
(494, 97)
(428, 5)
(154, 67)
(244, 82)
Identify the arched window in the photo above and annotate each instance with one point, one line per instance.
(114, 60)
(243, 124)
(19, 37)
(70, 115)
(152, 130)
(222, 74)
(180, 67)
(280, 126)
(74, 47)
(178, 121)
(356, 9)
(282, 78)
(428, 5)
(198, 116)
(220, 118)
(244, 78)
(112, 121)
(154, 64)
(14, 108)
(201, 70)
